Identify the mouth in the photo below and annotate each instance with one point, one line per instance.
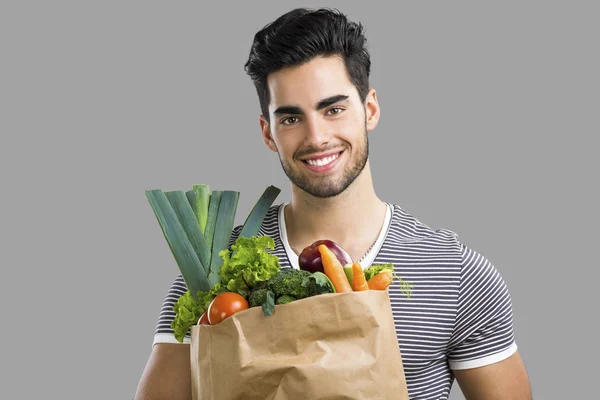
(323, 163)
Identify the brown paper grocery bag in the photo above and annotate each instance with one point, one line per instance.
(330, 346)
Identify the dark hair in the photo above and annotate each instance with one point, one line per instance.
(301, 35)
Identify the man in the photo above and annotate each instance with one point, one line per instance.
(311, 72)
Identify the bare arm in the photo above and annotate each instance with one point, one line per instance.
(503, 380)
(167, 374)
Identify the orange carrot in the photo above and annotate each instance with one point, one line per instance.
(358, 278)
(381, 281)
(334, 270)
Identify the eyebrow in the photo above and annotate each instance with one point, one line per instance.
(320, 105)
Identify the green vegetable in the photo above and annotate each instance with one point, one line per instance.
(285, 299)
(188, 310)
(199, 199)
(186, 257)
(269, 304)
(223, 228)
(292, 284)
(251, 264)
(258, 213)
(250, 228)
(322, 284)
(211, 218)
(185, 214)
(289, 285)
(257, 297)
(198, 224)
(289, 282)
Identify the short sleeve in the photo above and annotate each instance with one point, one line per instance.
(163, 332)
(483, 332)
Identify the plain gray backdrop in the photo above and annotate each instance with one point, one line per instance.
(489, 118)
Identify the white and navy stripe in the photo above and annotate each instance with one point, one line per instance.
(459, 314)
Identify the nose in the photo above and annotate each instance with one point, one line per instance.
(317, 132)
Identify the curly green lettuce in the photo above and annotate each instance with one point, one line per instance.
(248, 264)
(188, 311)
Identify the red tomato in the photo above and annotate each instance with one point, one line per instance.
(204, 319)
(224, 305)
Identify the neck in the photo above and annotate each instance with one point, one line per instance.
(353, 219)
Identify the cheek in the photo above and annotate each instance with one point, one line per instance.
(286, 146)
(351, 130)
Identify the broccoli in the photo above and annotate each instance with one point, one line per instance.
(289, 285)
(316, 284)
(257, 297)
(289, 282)
(286, 298)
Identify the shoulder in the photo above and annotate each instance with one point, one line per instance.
(406, 228)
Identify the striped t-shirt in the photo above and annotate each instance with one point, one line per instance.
(459, 314)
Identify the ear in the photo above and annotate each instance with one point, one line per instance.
(372, 110)
(266, 133)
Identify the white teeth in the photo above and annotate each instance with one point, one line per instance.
(323, 161)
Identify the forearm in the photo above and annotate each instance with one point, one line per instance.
(167, 374)
(163, 389)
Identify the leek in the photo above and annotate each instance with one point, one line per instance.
(198, 224)
(188, 221)
(211, 219)
(258, 213)
(189, 264)
(199, 198)
(223, 228)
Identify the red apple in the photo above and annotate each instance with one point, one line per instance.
(310, 257)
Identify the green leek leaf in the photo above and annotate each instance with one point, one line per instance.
(211, 220)
(189, 264)
(188, 221)
(199, 198)
(223, 229)
(258, 213)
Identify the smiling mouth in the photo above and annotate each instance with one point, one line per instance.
(321, 162)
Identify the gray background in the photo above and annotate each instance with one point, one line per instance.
(489, 112)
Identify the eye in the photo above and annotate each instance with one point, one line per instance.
(335, 110)
(289, 120)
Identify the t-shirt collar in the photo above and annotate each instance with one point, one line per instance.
(367, 259)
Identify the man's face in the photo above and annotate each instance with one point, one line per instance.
(318, 125)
